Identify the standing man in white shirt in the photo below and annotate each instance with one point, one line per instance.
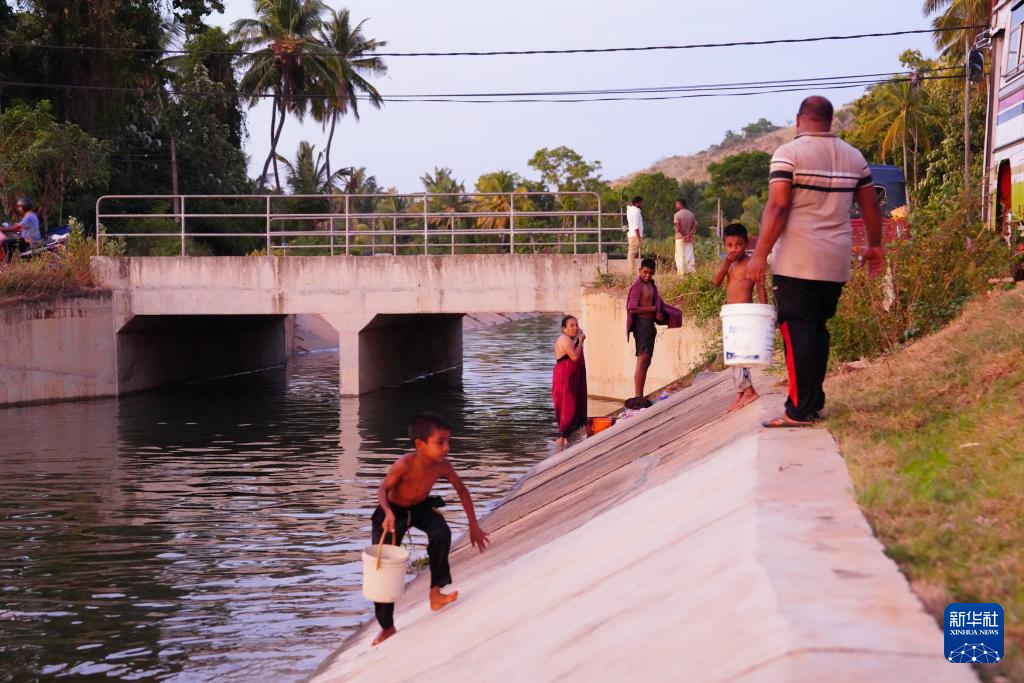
(634, 232)
(686, 227)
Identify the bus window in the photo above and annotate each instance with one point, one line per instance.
(1013, 51)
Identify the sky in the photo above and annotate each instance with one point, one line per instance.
(402, 141)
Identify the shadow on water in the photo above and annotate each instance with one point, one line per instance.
(213, 531)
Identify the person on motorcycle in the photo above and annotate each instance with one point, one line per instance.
(27, 226)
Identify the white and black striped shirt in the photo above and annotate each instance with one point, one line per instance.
(825, 172)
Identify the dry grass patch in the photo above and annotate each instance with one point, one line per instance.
(934, 438)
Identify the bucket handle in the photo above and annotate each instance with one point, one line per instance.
(380, 546)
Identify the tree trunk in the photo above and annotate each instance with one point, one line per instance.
(327, 155)
(915, 157)
(273, 149)
(270, 157)
(910, 203)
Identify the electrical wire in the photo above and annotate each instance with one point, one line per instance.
(502, 53)
(606, 95)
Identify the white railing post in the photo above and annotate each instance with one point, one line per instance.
(267, 220)
(99, 222)
(575, 225)
(348, 226)
(426, 236)
(600, 220)
(181, 204)
(512, 223)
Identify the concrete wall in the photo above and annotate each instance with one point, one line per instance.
(76, 347)
(347, 285)
(611, 360)
(155, 351)
(56, 349)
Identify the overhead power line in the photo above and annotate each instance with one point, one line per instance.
(595, 95)
(503, 53)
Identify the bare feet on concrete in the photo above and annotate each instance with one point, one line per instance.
(439, 599)
(384, 635)
(743, 398)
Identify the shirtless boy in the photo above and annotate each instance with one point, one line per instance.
(403, 502)
(738, 290)
(642, 305)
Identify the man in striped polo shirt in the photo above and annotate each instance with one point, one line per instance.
(814, 179)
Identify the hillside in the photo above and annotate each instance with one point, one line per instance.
(695, 166)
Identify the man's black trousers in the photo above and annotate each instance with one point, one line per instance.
(424, 517)
(804, 307)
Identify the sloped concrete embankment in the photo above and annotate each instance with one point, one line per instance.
(677, 546)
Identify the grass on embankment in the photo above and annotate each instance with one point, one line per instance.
(934, 439)
(66, 271)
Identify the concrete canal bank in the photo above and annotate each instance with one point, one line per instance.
(679, 545)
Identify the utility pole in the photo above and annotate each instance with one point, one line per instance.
(967, 118)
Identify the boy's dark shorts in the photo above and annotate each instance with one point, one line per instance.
(644, 332)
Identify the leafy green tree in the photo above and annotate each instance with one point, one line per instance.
(211, 49)
(737, 177)
(191, 12)
(209, 158)
(284, 59)
(753, 207)
(759, 128)
(95, 23)
(660, 194)
(46, 159)
(563, 169)
(350, 61)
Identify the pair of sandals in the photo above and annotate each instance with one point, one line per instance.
(786, 422)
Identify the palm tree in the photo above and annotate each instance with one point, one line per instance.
(442, 182)
(902, 110)
(308, 173)
(350, 57)
(507, 183)
(358, 181)
(286, 62)
(957, 13)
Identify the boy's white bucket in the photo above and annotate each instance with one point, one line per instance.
(384, 571)
(748, 334)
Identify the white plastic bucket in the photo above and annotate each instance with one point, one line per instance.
(384, 572)
(748, 334)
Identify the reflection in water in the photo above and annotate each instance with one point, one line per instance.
(213, 532)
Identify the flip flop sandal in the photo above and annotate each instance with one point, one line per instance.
(785, 423)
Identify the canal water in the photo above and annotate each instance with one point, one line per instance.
(213, 532)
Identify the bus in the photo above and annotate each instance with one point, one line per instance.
(891, 190)
(1005, 132)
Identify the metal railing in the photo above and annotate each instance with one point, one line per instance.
(415, 223)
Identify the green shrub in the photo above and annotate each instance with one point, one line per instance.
(929, 278)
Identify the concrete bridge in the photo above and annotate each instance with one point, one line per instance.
(397, 317)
